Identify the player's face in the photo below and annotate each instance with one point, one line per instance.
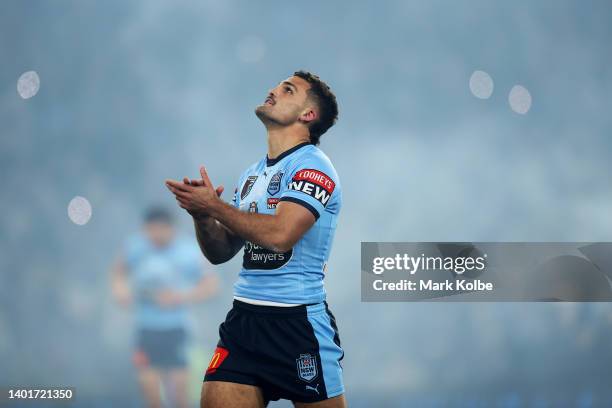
(285, 103)
(160, 233)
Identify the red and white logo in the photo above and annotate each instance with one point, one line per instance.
(272, 203)
(219, 355)
(315, 183)
(317, 177)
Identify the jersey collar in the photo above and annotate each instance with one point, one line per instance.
(272, 162)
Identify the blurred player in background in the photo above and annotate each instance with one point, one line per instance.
(279, 340)
(161, 274)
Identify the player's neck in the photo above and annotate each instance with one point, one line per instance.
(281, 140)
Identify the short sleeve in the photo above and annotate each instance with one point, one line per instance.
(313, 184)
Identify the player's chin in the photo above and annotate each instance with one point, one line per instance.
(261, 110)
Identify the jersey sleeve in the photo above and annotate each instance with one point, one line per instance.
(312, 183)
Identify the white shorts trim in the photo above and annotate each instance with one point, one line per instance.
(264, 302)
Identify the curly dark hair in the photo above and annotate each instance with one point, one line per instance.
(325, 99)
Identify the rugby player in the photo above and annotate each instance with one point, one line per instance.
(161, 274)
(279, 340)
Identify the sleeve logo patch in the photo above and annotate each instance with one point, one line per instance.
(248, 185)
(314, 183)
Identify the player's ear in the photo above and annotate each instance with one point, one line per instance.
(309, 115)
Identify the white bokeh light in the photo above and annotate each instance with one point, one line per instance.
(481, 85)
(79, 210)
(251, 49)
(28, 84)
(519, 99)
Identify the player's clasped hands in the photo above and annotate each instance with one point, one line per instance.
(195, 195)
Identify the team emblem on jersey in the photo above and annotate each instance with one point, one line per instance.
(253, 207)
(248, 185)
(272, 203)
(307, 367)
(275, 183)
(315, 183)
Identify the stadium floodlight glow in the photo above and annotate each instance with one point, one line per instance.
(519, 99)
(79, 210)
(28, 84)
(481, 85)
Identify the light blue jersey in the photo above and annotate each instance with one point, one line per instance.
(302, 175)
(177, 266)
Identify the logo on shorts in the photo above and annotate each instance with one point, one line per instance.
(307, 367)
(219, 355)
(275, 182)
(248, 186)
(315, 388)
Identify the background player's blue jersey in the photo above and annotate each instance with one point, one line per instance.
(303, 175)
(177, 266)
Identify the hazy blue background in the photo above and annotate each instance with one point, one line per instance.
(135, 92)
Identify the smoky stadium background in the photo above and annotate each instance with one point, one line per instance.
(470, 120)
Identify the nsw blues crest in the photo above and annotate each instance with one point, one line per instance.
(275, 183)
(307, 367)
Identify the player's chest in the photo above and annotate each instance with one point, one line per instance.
(261, 191)
(154, 267)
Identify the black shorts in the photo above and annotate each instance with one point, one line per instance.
(162, 349)
(289, 352)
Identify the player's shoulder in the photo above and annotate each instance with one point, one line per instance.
(311, 172)
(313, 156)
(253, 170)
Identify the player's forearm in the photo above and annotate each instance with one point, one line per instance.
(216, 242)
(261, 229)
